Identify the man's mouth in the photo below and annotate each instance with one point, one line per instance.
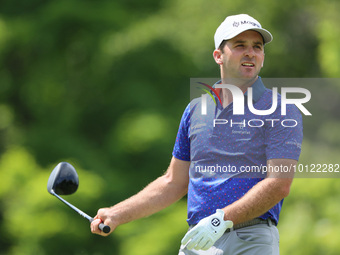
(248, 64)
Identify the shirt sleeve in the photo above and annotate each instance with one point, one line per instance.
(284, 136)
(182, 144)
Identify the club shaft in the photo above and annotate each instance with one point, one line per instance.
(101, 226)
(74, 208)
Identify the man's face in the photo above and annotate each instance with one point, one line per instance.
(242, 56)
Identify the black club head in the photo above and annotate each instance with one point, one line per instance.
(63, 180)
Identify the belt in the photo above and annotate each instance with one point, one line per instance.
(253, 222)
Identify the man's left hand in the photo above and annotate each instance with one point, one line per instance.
(207, 231)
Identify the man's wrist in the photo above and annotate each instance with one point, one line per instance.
(224, 218)
(226, 215)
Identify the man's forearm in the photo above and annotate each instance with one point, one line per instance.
(258, 200)
(263, 196)
(158, 195)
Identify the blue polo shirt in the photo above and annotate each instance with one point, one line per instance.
(228, 152)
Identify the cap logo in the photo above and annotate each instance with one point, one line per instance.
(236, 24)
(251, 23)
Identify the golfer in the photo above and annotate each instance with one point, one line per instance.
(232, 212)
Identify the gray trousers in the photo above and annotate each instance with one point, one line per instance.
(259, 239)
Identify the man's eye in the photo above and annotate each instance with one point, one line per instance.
(239, 45)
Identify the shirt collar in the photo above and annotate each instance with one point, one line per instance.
(258, 89)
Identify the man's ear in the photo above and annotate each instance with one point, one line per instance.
(218, 56)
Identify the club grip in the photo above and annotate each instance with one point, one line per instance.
(105, 228)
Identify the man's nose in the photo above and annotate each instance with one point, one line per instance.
(250, 52)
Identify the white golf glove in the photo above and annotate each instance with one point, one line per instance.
(207, 231)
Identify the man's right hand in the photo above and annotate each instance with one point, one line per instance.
(104, 215)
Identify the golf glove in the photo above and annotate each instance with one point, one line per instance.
(207, 231)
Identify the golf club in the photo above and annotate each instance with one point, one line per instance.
(64, 181)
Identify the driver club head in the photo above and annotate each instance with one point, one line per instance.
(63, 180)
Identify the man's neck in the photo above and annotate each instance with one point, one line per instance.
(243, 84)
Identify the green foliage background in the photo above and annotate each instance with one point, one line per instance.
(103, 84)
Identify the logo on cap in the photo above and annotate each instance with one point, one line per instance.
(251, 23)
(236, 24)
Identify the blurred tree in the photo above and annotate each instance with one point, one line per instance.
(103, 84)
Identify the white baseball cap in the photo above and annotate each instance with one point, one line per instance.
(236, 24)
